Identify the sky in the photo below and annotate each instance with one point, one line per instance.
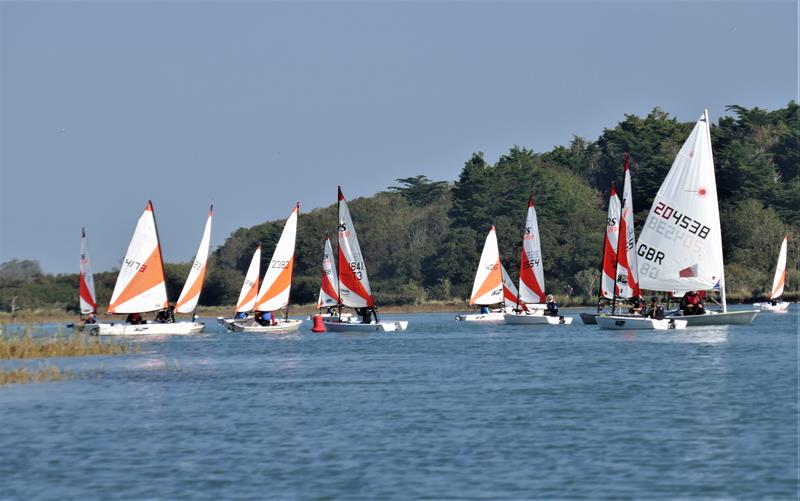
(256, 105)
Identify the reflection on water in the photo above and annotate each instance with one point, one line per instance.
(445, 409)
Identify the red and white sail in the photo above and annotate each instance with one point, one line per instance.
(277, 283)
(328, 295)
(140, 284)
(680, 247)
(780, 272)
(531, 271)
(610, 248)
(510, 293)
(354, 289)
(247, 297)
(88, 299)
(627, 269)
(488, 286)
(187, 301)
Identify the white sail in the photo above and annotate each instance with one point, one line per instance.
(680, 247)
(354, 289)
(247, 297)
(488, 286)
(277, 283)
(88, 299)
(627, 268)
(780, 272)
(510, 293)
(330, 281)
(140, 284)
(531, 271)
(187, 301)
(607, 280)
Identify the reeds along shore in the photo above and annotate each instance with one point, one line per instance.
(33, 375)
(26, 346)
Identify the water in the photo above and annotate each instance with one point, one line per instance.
(444, 410)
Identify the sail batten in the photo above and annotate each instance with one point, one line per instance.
(190, 295)
(140, 285)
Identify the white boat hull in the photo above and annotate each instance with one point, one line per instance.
(282, 327)
(173, 329)
(719, 318)
(91, 329)
(614, 322)
(383, 326)
(536, 319)
(775, 308)
(591, 318)
(493, 317)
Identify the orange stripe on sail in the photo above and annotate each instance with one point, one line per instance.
(84, 292)
(349, 280)
(492, 281)
(195, 288)
(280, 284)
(779, 285)
(251, 294)
(149, 275)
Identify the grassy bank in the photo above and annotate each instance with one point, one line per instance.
(27, 346)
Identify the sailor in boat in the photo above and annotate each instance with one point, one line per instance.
(485, 310)
(134, 319)
(265, 318)
(91, 319)
(774, 301)
(637, 305)
(240, 315)
(655, 310)
(366, 314)
(551, 307)
(165, 316)
(692, 304)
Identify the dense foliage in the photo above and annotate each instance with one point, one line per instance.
(422, 238)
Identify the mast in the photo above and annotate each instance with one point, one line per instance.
(338, 250)
(294, 253)
(721, 255)
(158, 242)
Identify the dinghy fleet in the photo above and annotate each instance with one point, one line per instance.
(679, 251)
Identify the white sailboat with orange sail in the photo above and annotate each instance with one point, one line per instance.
(141, 285)
(775, 304)
(247, 296)
(353, 289)
(488, 289)
(274, 293)
(531, 278)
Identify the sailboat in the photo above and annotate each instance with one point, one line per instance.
(531, 277)
(775, 304)
(276, 285)
(86, 295)
(488, 289)
(353, 289)
(190, 294)
(680, 247)
(141, 285)
(609, 264)
(247, 296)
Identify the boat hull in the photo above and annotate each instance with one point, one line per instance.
(172, 329)
(515, 319)
(493, 317)
(282, 327)
(719, 318)
(591, 318)
(613, 322)
(91, 329)
(775, 308)
(383, 326)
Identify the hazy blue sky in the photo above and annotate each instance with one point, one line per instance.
(256, 105)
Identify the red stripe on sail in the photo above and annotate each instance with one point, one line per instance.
(527, 276)
(350, 281)
(622, 256)
(85, 295)
(327, 287)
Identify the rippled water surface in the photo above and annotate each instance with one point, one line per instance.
(444, 410)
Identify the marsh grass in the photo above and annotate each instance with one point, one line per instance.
(26, 345)
(33, 375)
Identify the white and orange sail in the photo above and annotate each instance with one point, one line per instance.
(328, 295)
(140, 284)
(354, 290)
(277, 283)
(488, 286)
(88, 299)
(531, 271)
(187, 301)
(780, 272)
(510, 293)
(247, 297)
(627, 267)
(607, 281)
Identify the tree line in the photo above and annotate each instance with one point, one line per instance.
(422, 239)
